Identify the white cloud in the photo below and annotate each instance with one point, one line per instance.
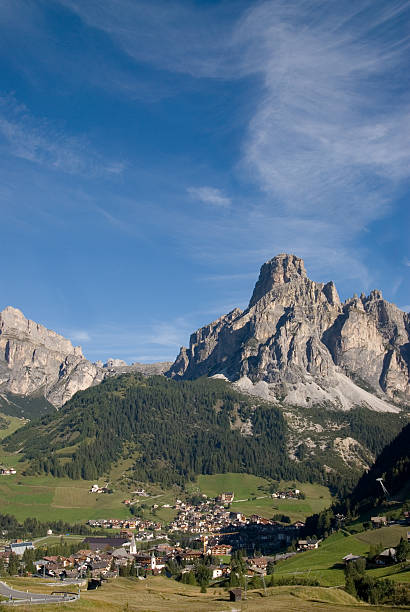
(329, 135)
(209, 195)
(407, 262)
(328, 126)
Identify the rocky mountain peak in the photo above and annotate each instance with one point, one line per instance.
(297, 341)
(281, 269)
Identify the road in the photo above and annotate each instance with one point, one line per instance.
(14, 595)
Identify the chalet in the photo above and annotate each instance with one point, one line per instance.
(226, 498)
(98, 568)
(378, 521)
(307, 544)
(190, 555)
(217, 572)
(349, 558)
(258, 563)
(221, 549)
(386, 557)
(7, 471)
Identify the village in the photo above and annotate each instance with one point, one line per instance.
(204, 531)
(148, 547)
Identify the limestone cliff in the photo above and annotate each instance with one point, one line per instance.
(35, 361)
(297, 342)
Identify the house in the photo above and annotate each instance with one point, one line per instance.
(349, 558)
(217, 572)
(378, 521)
(386, 557)
(221, 549)
(258, 563)
(7, 471)
(308, 544)
(226, 498)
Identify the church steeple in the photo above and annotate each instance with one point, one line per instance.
(133, 546)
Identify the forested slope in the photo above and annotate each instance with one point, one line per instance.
(174, 429)
(393, 465)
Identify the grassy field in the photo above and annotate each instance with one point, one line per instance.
(387, 536)
(57, 498)
(46, 497)
(14, 423)
(162, 595)
(326, 563)
(252, 497)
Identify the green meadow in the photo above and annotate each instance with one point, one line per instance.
(326, 563)
(252, 495)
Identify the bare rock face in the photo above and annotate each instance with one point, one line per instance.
(36, 360)
(298, 337)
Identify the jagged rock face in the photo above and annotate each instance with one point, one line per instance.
(36, 360)
(296, 333)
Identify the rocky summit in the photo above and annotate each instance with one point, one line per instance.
(35, 361)
(298, 343)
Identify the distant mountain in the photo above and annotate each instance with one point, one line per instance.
(297, 343)
(39, 367)
(173, 430)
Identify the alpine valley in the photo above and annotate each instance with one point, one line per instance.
(298, 386)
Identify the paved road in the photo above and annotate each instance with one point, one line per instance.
(11, 593)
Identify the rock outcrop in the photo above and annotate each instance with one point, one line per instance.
(305, 345)
(35, 361)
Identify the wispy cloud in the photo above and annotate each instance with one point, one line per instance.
(328, 136)
(328, 125)
(209, 195)
(79, 335)
(38, 140)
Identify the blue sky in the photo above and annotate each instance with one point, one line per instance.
(155, 154)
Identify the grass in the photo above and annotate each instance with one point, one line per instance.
(387, 536)
(248, 488)
(326, 562)
(14, 423)
(162, 595)
(48, 498)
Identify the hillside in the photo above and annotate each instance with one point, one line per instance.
(172, 431)
(170, 427)
(393, 465)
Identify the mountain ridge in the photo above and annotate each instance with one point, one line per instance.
(296, 341)
(38, 362)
